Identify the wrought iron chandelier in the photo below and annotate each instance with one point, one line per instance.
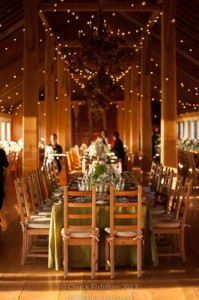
(102, 56)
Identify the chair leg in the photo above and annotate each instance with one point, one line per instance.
(65, 259)
(139, 258)
(96, 257)
(29, 243)
(182, 247)
(107, 254)
(112, 259)
(24, 248)
(93, 255)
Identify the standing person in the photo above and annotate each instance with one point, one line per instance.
(53, 148)
(155, 141)
(3, 163)
(104, 137)
(118, 148)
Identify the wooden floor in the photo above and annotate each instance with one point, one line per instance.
(170, 280)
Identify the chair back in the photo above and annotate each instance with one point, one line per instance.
(174, 203)
(126, 215)
(47, 181)
(55, 172)
(69, 162)
(36, 182)
(51, 176)
(81, 214)
(23, 205)
(184, 203)
(157, 178)
(30, 188)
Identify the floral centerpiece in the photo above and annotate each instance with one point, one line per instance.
(103, 175)
(11, 146)
(98, 149)
(189, 145)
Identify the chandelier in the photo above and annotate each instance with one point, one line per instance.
(103, 57)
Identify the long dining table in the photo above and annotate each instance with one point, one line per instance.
(81, 256)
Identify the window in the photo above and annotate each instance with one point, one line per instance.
(3, 126)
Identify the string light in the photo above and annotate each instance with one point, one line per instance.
(118, 78)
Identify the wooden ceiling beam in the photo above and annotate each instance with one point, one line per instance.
(87, 6)
(44, 19)
(11, 29)
(76, 44)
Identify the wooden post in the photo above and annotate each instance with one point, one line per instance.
(63, 105)
(127, 111)
(135, 111)
(168, 86)
(76, 113)
(30, 159)
(50, 76)
(145, 102)
(120, 120)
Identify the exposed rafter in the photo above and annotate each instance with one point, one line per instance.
(16, 26)
(87, 6)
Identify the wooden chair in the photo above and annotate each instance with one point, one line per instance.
(41, 184)
(162, 195)
(120, 234)
(32, 198)
(73, 164)
(174, 228)
(47, 181)
(55, 173)
(83, 233)
(75, 159)
(32, 229)
(154, 168)
(172, 204)
(117, 165)
(193, 170)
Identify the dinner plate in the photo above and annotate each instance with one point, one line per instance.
(57, 194)
(61, 188)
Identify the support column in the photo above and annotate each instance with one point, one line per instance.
(145, 102)
(64, 117)
(127, 111)
(135, 112)
(120, 120)
(168, 86)
(104, 120)
(30, 157)
(76, 113)
(50, 75)
(90, 122)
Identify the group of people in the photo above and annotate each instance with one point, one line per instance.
(54, 148)
(117, 148)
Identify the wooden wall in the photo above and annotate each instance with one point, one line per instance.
(87, 130)
(17, 123)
